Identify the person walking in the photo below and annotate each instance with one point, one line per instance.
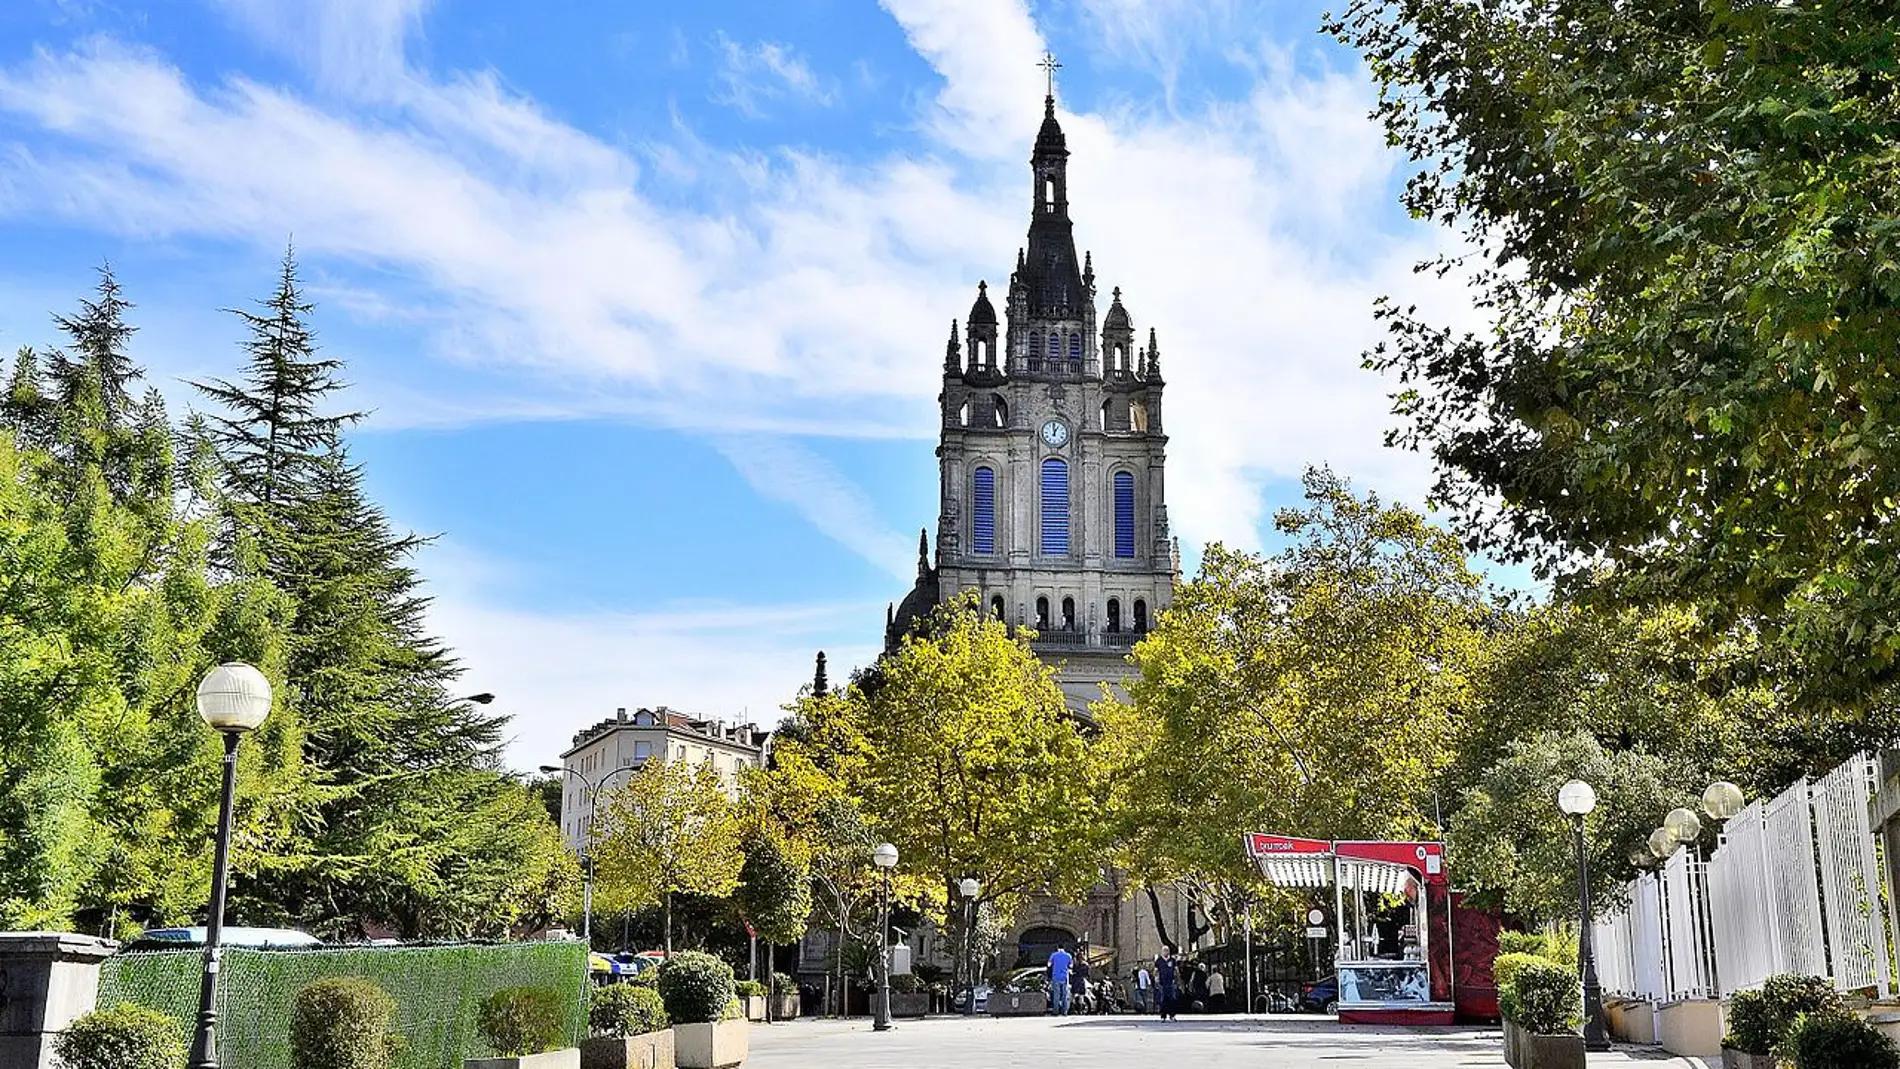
(1079, 984)
(1061, 963)
(1216, 992)
(1165, 975)
(1144, 982)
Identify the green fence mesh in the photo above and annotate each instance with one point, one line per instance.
(437, 990)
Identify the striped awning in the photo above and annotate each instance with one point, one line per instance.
(1316, 870)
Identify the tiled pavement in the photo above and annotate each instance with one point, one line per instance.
(1283, 1042)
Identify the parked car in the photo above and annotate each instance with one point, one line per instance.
(961, 996)
(259, 938)
(1321, 996)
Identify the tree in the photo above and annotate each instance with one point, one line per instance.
(1682, 220)
(1315, 693)
(1512, 844)
(109, 615)
(670, 829)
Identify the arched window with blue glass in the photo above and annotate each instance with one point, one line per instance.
(1124, 487)
(983, 511)
(1075, 353)
(1055, 507)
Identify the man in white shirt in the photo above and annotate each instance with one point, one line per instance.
(1216, 992)
(1143, 984)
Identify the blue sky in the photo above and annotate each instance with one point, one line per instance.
(648, 300)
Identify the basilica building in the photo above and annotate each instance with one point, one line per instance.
(1051, 457)
(1051, 460)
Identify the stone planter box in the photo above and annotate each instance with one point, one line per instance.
(754, 1007)
(715, 1045)
(1528, 1050)
(913, 1004)
(1018, 1004)
(1691, 1027)
(569, 1058)
(1735, 1059)
(653, 1050)
(785, 1007)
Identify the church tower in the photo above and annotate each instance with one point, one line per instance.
(1051, 456)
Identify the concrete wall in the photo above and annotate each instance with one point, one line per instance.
(1692, 1027)
(47, 979)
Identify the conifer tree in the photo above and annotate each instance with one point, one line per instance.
(99, 338)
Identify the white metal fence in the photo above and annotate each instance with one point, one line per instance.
(1794, 886)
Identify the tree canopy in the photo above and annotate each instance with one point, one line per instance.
(1680, 218)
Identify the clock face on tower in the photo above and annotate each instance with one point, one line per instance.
(1055, 432)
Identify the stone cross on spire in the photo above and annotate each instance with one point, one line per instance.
(1049, 67)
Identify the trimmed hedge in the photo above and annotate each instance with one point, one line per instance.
(122, 1037)
(621, 1010)
(1759, 1020)
(748, 988)
(1547, 998)
(1504, 970)
(518, 1021)
(343, 1022)
(1836, 1041)
(436, 988)
(696, 987)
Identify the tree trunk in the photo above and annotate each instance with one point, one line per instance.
(1161, 924)
(666, 912)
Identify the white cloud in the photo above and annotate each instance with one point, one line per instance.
(751, 76)
(350, 46)
(809, 295)
(782, 470)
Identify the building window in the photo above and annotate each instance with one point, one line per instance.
(996, 606)
(1114, 615)
(1075, 353)
(1141, 616)
(1055, 507)
(1124, 514)
(1042, 614)
(983, 511)
(963, 415)
(1035, 352)
(999, 410)
(642, 751)
(1104, 424)
(1137, 416)
(1068, 614)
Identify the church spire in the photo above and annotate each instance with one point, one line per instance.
(953, 353)
(1052, 270)
(820, 686)
(1153, 371)
(923, 552)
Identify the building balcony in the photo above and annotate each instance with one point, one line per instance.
(1059, 639)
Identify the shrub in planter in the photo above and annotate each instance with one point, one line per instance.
(907, 984)
(783, 984)
(1836, 1041)
(1504, 970)
(518, 1021)
(1758, 1020)
(1547, 998)
(748, 989)
(1534, 944)
(343, 1022)
(122, 1037)
(696, 987)
(621, 1010)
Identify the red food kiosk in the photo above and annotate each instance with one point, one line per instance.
(1411, 984)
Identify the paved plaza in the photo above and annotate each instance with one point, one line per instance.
(1142, 1043)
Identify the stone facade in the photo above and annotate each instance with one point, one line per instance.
(611, 748)
(1053, 505)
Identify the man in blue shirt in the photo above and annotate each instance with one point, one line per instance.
(1060, 963)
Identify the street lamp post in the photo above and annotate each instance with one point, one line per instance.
(971, 887)
(233, 699)
(593, 788)
(885, 857)
(1577, 799)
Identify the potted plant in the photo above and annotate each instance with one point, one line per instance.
(909, 997)
(343, 1022)
(1834, 1040)
(784, 997)
(127, 1036)
(627, 1029)
(1542, 1012)
(1758, 1021)
(527, 1030)
(751, 998)
(698, 991)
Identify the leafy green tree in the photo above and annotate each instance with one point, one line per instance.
(774, 892)
(109, 615)
(1512, 844)
(1680, 218)
(1313, 693)
(670, 829)
(415, 825)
